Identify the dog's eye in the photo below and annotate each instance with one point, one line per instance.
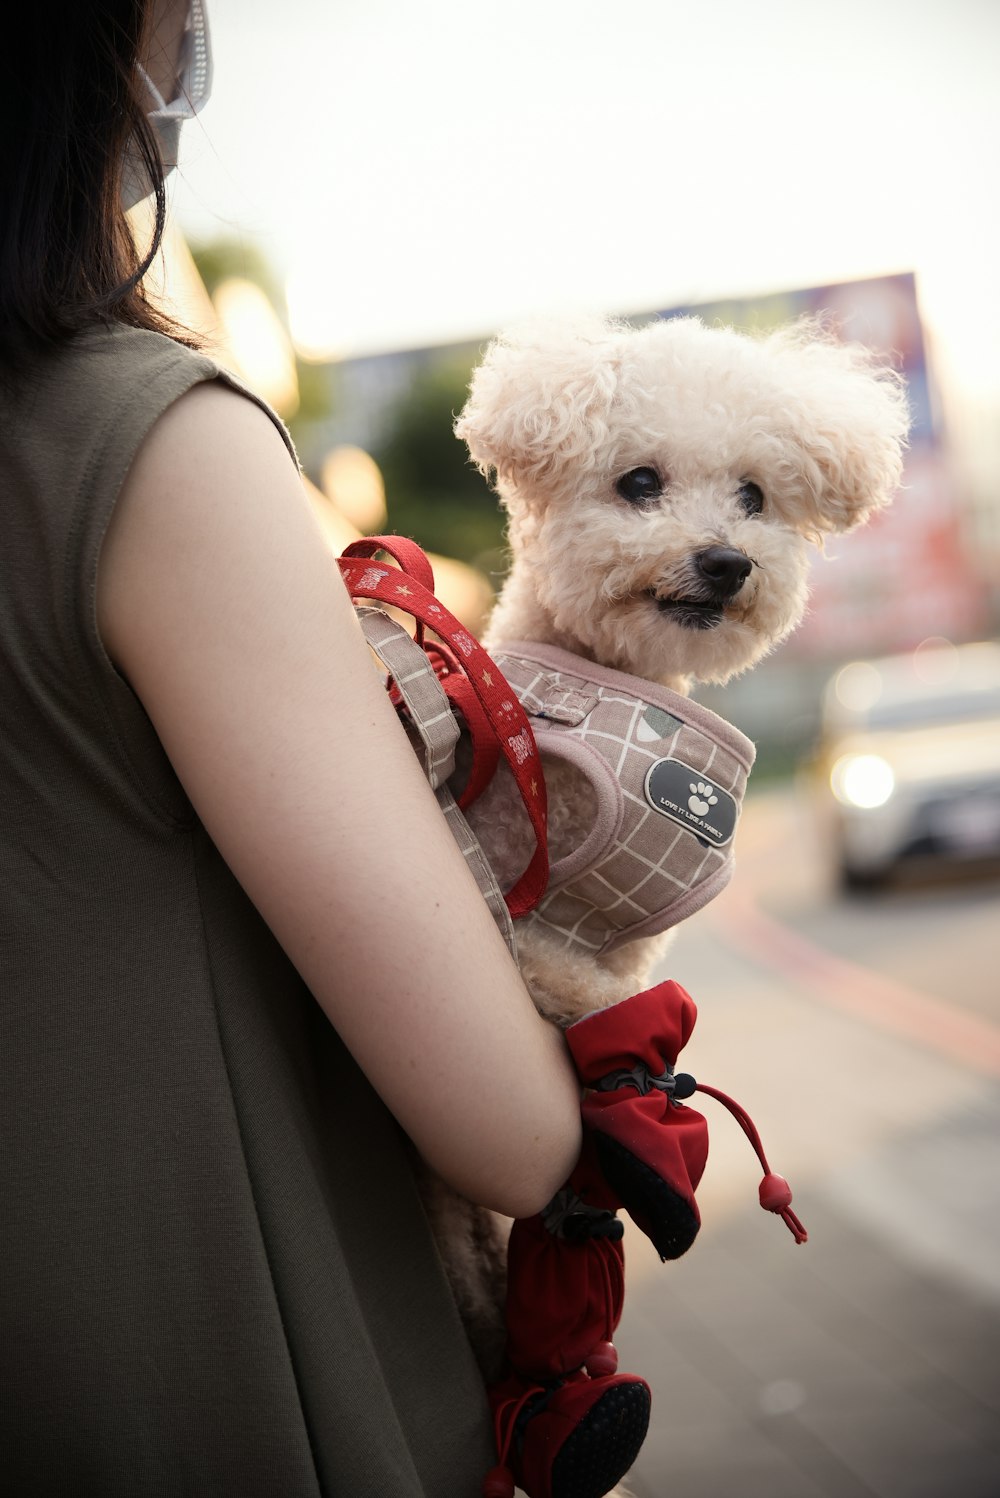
(639, 484)
(751, 497)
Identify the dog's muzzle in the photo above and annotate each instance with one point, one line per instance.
(719, 574)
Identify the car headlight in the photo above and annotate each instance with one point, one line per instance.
(863, 780)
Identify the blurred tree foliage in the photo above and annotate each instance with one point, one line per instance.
(433, 492)
(217, 260)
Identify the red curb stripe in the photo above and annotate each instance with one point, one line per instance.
(884, 1003)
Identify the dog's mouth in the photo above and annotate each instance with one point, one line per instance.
(692, 613)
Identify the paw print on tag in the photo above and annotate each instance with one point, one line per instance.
(703, 796)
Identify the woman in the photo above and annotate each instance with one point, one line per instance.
(241, 956)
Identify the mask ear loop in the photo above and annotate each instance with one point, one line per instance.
(161, 105)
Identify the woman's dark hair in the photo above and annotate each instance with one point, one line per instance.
(67, 254)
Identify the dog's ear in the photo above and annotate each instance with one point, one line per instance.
(539, 401)
(848, 419)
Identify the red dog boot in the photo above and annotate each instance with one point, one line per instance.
(575, 1438)
(566, 1280)
(650, 1147)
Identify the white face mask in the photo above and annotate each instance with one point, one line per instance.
(193, 87)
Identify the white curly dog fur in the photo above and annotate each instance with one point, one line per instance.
(627, 456)
(663, 485)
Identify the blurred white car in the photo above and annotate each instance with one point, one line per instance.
(911, 754)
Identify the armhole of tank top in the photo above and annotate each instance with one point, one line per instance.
(132, 736)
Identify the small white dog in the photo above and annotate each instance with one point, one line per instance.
(662, 484)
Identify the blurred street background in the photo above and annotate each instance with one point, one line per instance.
(374, 190)
(864, 1040)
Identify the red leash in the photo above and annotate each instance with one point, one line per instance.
(473, 682)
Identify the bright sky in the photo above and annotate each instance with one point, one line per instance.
(425, 172)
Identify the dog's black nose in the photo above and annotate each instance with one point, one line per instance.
(724, 568)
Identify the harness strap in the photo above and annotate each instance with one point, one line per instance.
(416, 686)
(410, 589)
(485, 749)
(461, 695)
(430, 713)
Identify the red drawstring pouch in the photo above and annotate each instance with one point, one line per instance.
(566, 1280)
(651, 1148)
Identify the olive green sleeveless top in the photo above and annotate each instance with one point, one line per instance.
(216, 1279)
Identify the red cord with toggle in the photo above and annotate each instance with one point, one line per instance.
(775, 1192)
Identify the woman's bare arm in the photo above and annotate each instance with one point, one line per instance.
(220, 603)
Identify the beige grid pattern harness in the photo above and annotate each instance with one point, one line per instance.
(669, 777)
(435, 732)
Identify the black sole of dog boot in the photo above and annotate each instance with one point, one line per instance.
(664, 1217)
(604, 1445)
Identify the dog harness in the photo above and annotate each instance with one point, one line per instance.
(668, 778)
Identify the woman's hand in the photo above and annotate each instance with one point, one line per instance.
(220, 603)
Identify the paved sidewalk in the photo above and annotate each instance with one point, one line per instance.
(833, 1370)
(866, 1362)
